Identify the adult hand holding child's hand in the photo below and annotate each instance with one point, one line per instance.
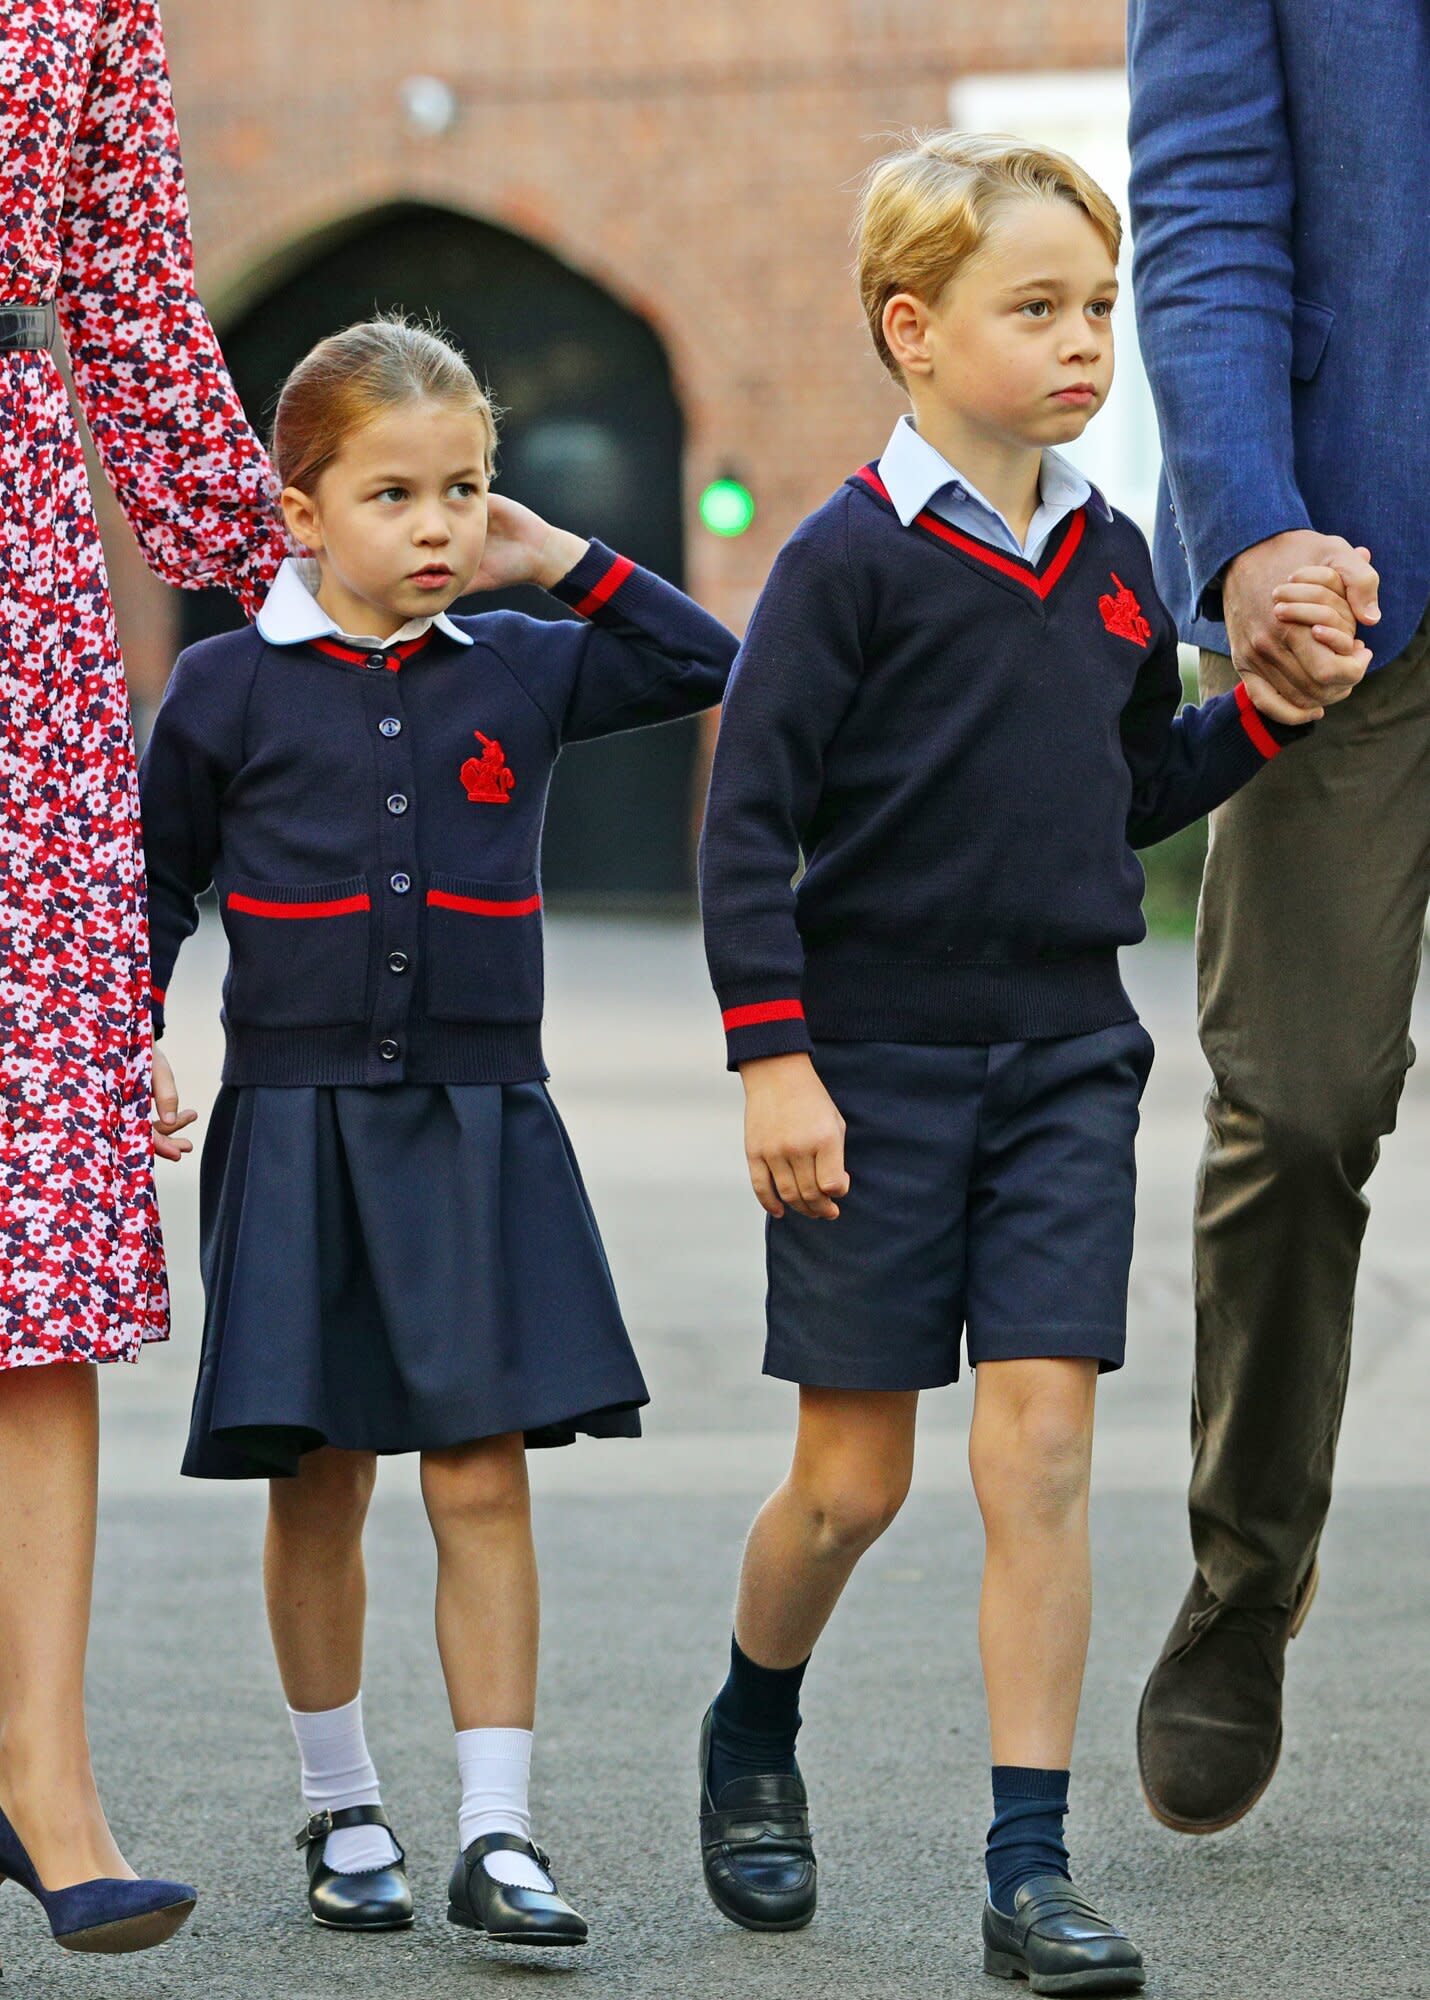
(1292, 604)
(794, 1138)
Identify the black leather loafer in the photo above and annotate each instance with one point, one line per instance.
(755, 1847)
(380, 1899)
(507, 1914)
(1059, 1943)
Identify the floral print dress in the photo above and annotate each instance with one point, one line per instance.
(94, 219)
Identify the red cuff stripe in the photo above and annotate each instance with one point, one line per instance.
(1252, 723)
(343, 906)
(156, 994)
(479, 906)
(763, 1010)
(606, 589)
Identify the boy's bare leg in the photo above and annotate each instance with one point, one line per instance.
(1030, 1452)
(853, 1459)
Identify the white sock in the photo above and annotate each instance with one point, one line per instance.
(338, 1772)
(496, 1778)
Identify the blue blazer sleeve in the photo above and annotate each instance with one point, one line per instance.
(1212, 191)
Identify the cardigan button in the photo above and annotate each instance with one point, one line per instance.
(398, 961)
(375, 660)
(400, 884)
(389, 726)
(397, 803)
(389, 1051)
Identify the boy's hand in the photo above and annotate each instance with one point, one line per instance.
(169, 1120)
(522, 548)
(1313, 598)
(794, 1138)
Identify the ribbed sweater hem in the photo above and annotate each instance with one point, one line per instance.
(925, 999)
(435, 1052)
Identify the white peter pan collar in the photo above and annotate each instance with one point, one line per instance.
(292, 615)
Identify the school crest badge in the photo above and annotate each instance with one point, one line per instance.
(1123, 615)
(488, 779)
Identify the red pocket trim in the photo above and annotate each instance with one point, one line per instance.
(481, 906)
(343, 906)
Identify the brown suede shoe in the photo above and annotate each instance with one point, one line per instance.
(1209, 1728)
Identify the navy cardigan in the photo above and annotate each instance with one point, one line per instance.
(372, 823)
(965, 748)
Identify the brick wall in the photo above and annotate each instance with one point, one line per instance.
(698, 161)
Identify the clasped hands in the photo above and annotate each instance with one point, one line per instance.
(1292, 606)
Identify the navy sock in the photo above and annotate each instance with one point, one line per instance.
(1026, 1837)
(754, 1722)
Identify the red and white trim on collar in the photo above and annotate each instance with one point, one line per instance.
(1040, 583)
(394, 657)
(762, 1011)
(1252, 723)
(605, 590)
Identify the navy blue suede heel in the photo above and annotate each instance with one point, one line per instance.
(103, 1915)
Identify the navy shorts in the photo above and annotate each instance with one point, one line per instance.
(991, 1188)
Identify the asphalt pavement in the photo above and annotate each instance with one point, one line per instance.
(1321, 1893)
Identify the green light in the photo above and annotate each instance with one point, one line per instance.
(726, 507)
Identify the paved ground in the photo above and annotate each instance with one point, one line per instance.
(1322, 1894)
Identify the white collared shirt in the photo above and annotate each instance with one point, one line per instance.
(292, 615)
(917, 476)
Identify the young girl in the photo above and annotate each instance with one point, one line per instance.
(398, 1252)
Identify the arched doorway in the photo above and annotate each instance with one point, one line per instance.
(591, 437)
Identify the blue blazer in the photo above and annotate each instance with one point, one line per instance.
(1280, 162)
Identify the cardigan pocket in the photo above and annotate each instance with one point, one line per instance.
(299, 953)
(483, 949)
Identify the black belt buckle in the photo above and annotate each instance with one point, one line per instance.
(26, 329)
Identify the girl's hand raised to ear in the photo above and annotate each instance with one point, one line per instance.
(522, 548)
(169, 1120)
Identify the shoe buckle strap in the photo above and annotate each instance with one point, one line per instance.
(318, 1827)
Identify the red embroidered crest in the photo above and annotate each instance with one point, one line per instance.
(1122, 614)
(488, 779)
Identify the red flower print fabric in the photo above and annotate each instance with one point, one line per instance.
(94, 219)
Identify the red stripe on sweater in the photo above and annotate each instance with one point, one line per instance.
(482, 906)
(1023, 573)
(762, 1010)
(606, 589)
(341, 906)
(394, 656)
(1252, 723)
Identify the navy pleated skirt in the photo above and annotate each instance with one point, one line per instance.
(399, 1270)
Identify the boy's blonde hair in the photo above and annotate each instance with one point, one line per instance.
(356, 375)
(925, 210)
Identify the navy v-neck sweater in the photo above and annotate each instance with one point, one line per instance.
(966, 748)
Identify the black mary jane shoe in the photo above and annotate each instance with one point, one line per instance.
(507, 1913)
(1059, 1943)
(755, 1848)
(380, 1899)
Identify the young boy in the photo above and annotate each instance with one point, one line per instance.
(958, 698)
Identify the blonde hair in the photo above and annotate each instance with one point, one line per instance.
(356, 375)
(925, 210)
